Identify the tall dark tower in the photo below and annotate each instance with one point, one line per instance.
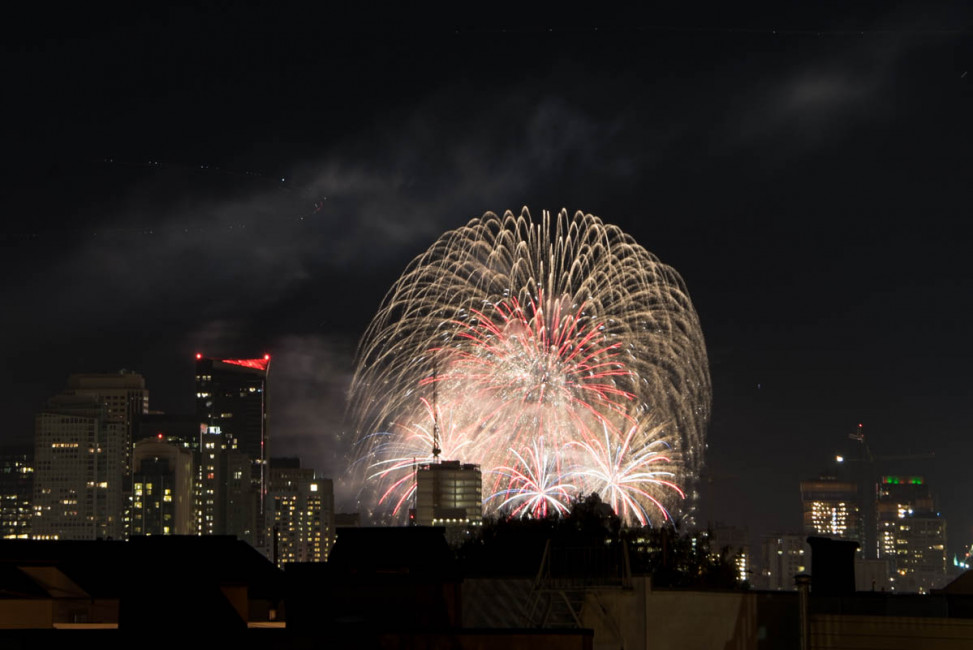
(231, 399)
(232, 394)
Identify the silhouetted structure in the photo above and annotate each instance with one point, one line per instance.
(184, 589)
(16, 490)
(377, 580)
(231, 406)
(832, 566)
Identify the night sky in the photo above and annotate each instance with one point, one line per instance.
(185, 179)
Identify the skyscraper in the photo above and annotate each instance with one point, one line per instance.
(231, 406)
(79, 460)
(912, 534)
(16, 490)
(232, 394)
(301, 512)
(831, 508)
(899, 497)
(126, 400)
(162, 489)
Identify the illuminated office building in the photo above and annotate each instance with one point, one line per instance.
(831, 509)
(125, 397)
(911, 533)
(899, 497)
(231, 394)
(16, 490)
(126, 400)
(302, 513)
(80, 452)
(225, 499)
(448, 493)
(231, 407)
(162, 489)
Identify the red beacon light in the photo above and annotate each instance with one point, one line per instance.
(199, 356)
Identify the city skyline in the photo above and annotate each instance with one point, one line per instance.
(259, 191)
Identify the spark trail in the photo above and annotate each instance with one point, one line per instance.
(560, 355)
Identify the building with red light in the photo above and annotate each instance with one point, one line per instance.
(231, 406)
(911, 533)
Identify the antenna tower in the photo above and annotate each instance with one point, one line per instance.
(436, 450)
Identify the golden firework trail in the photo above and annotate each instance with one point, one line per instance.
(558, 349)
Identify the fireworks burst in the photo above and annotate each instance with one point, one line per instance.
(560, 356)
(625, 477)
(535, 485)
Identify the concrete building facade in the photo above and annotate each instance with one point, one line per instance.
(79, 456)
(301, 507)
(449, 493)
(162, 489)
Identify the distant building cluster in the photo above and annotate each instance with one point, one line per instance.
(901, 537)
(103, 466)
(892, 518)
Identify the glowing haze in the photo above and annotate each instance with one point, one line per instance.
(559, 355)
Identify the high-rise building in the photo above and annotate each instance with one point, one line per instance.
(162, 489)
(210, 481)
(301, 509)
(16, 490)
(920, 564)
(231, 407)
(899, 497)
(832, 509)
(126, 400)
(449, 493)
(232, 394)
(225, 499)
(125, 397)
(80, 450)
(912, 534)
